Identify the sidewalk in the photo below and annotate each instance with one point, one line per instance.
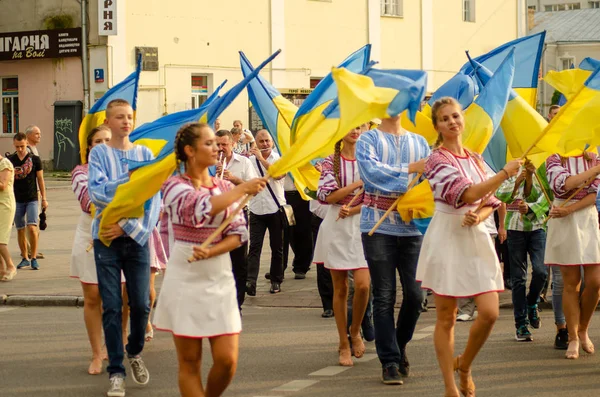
(51, 284)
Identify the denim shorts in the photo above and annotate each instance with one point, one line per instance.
(26, 214)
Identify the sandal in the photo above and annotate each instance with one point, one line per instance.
(586, 343)
(149, 334)
(573, 350)
(358, 346)
(467, 387)
(345, 358)
(9, 276)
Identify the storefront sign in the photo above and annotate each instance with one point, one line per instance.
(107, 17)
(40, 44)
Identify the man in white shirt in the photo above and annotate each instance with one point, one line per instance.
(236, 169)
(265, 214)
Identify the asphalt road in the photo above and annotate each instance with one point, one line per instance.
(287, 352)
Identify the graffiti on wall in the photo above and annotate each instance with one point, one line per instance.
(63, 128)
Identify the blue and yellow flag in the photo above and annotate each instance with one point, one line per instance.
(528, 55)
(568, 82)
(126, 89)
(277, 113)
(359, 100)
(589, 64)
(159, 136)
(325, 92)
(485, 113)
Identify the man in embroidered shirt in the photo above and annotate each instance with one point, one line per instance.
(128, 251)
(265, 214)
(238, 169)
(526, 211)
(388, 159)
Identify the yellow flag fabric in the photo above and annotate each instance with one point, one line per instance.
(417, 203)
(568, 81)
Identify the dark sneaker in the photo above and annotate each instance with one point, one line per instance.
(117, 386)
(561, 342)
(139, 372)
(328, 313)
(391, 376)
(404, 367)
(23, 263)
(275, 287)
(34, 264)
(534, 316)
(523, 334)
(300, 276)
(251, 288)
(268, 276)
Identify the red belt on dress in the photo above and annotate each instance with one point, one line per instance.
(379, 202)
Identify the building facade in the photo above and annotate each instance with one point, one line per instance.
(191, 46)
(561, 5)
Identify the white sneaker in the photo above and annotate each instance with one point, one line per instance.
(139, 372)
(117, 386)
(464, 317)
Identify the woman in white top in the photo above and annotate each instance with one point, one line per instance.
(457, 258)
(198, 300)
(339, 245)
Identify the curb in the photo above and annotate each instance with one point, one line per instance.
(37, 300)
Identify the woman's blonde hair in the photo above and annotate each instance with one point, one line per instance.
(435, 108)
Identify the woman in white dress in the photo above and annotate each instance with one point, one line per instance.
(573, 242)
(457, 258)
(83, 265)
(339, 244)
(198, 300)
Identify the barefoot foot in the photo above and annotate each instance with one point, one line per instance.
(345, 358)
(586, 343)
(573, 350)
(358, 347)
(95, 367)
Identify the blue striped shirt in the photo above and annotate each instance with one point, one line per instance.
(107, 171)
(383, 161)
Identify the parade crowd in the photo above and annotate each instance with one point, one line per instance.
(485, 227)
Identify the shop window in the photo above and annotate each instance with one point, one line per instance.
(10, 105)
(199, 90)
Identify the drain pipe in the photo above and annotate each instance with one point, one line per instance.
(84, 58)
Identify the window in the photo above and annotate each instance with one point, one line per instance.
(10, 105)
(563, 7)
(391, 8)
(199, 90)
(594, 4)
(533, 8)
(469, 10)
(567, 63)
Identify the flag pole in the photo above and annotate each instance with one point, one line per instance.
(580, 188)
(357, 195)
(394, 205)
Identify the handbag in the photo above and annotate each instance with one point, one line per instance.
(286, 210)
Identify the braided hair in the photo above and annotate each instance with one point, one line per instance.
(437, 105)
(187, 136)
(336, 161)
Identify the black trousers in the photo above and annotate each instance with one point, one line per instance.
(299, 237)
(239, 266)
(324, 281)
(258, 226)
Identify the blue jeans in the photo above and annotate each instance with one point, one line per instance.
(133, 259)
(385, 255)
(519, 245)
(557, 291)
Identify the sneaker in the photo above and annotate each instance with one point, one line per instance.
(327, 313)
(139, 372)
(300, 276)
(534, 316)
(117, 386)
(391, 376)
(23, 263)
(561, 342)
(404, 367)
(275, 287)
(464, 317)
(34, 264)
(523, 334)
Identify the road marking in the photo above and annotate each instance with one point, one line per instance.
(419, 336)
(295, 385)
(428, 329)
(368, 357)
(6, 309)
(330, 371)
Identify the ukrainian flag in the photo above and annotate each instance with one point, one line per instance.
(528, 54)
(126, 89)
(590, 64)
(277, 113)
(325, 92)
(159, 136)
(568, 81)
